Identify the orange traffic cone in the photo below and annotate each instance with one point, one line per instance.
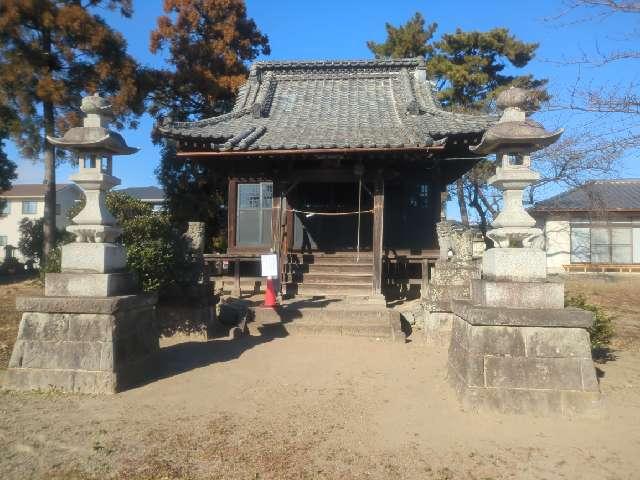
(270, 294)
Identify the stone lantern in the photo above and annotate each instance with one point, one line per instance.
(91, 332)
(95, 228)
(514, 347)
(513, 139)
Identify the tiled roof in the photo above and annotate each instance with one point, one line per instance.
(620, 194)
(324, 104)
(144, 193)
(30, 190)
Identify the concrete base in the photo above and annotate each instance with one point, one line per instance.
(93, 258)
(517, 294)
(518, 368)
(514, 264)
(89, 284)
(83, 345)
(437, 327)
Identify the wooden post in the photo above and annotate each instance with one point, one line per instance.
(237, 292)
(378, 228)
(232, 211)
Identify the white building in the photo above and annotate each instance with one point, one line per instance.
(593, 228)
(27, 201)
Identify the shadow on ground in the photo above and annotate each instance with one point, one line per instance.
(182, 357)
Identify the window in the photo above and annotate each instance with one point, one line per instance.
(419, 196)
(255, 202)
(29, 207)
(3, 240)
(6, 208)
(615, 241)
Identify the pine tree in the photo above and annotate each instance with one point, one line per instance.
(406, 41)
(468, 68)
(51, 53)
(208, 43)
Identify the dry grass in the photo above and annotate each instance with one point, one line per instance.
(619, 295)
(9, 317)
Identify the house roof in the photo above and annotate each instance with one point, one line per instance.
(31, 190)
(304, 105)
(144, 193)
(603, 195)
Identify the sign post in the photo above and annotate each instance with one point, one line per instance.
(269, 267)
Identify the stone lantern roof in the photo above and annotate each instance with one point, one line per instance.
(93, 135)
(514, 131)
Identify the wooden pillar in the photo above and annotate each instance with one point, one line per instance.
(378, 228)
(276, 229)
(232, 211)
(236, 292)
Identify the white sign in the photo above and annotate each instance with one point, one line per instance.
(269, 264)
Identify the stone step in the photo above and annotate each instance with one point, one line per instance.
(360, 322)
(321, 279)
(320, 290)
(339, 269)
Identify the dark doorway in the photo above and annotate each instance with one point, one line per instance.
(331, 233)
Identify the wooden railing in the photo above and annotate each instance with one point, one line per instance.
(602, 268)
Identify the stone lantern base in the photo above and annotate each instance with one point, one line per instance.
(83, 344)
(514, 347)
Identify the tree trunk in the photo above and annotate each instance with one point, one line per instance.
(49, 184)
(464, 215)
(49, 234)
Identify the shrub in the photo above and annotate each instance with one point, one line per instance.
(601, 331)
(31, 243)
(53, 263)
(156, 251)
(11, 266)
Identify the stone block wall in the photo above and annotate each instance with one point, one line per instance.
(523, 369)
(99, 352)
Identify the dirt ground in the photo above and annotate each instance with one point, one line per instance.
(312, 408)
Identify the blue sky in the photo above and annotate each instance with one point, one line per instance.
(331, 29)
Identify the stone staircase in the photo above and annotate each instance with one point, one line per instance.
(330, 316)
(330, 275)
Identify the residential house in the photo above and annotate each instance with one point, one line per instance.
(152, 195)
(593, 228)
(27, 201)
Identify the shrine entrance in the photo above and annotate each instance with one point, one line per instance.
(332, 217)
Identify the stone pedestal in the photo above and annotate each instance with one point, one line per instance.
(514, 347)
(523, 361)
(449, 280)
(83, 345)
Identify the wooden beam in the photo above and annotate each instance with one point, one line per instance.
(378, 228)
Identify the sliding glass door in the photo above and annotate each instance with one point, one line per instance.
(255, 204)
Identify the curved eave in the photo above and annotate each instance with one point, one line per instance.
(107, 143)
(491, 143)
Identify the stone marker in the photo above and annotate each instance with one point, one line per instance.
(514, 347)
(91, 332)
